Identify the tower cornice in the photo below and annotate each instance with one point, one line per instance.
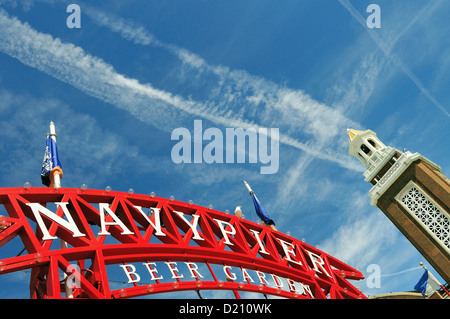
(397, 169)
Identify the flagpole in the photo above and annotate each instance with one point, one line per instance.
(423, 266)
(57, 184)
(248, 187)
(56, 177)
(442, 286)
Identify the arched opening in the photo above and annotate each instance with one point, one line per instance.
(365, 149)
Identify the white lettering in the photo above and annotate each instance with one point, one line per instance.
(157, 224)
(261, 246)
(130, 271)
(262, 277)
(288, 249)
(292, 253)
(190, 309)
(246, 276)
(306, 289)
(193, 226)
(69, 224)
(230, 275)
(277, 281)
(173, 270)
(291, 285)
(105, 207)
(152, 271)
(317, 262)
(225, 232)
(193, 268)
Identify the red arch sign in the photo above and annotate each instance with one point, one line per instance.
(199, 248)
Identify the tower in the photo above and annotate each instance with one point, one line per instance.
(412, 192)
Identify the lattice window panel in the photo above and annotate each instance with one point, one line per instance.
(429, 214)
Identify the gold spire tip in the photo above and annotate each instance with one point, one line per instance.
(352, 133)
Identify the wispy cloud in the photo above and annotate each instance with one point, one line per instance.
(351, 96)
(71, 64)
(253, 94)
(276, 106)
(386, 48)
(237, 98)
(127, 29)
(355, 241)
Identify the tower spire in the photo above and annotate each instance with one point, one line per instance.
(366, 147)
(352, 133)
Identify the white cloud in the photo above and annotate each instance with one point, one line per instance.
(270, 105)
(294, 105)
(395, 59)
(362, 240)
(92, 75)
(126, 29)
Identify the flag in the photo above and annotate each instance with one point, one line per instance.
(51, 162)
(261, 212)
(427, 284)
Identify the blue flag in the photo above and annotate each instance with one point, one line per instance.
(261, 212)
(427, 284)
(51, 161)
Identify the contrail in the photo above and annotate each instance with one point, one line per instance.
(296, 106)
(400, 272)
(71, 64)
(396, 60)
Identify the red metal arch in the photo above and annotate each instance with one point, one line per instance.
(119, 233)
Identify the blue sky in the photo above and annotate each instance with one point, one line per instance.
(135, 71)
